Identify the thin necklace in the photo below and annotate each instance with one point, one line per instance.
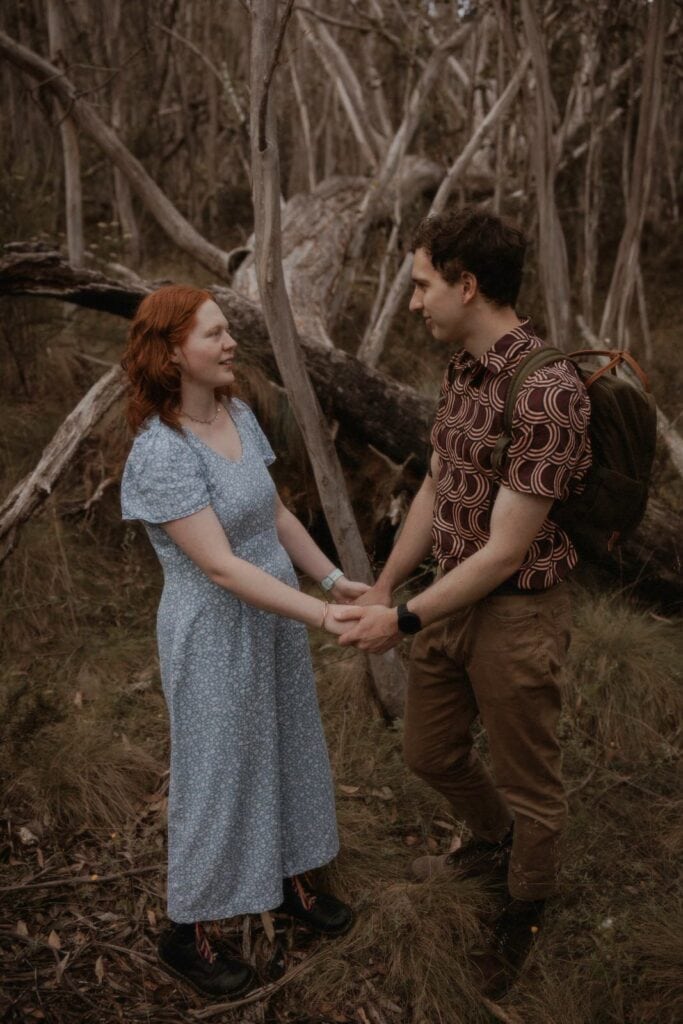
(206, 423)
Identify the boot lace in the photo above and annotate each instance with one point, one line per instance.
(202, 942)
(306, 897)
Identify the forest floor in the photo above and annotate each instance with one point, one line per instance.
(83, 758)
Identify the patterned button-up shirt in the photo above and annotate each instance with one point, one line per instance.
(549, 454)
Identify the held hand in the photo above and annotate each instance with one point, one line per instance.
(377, 594)
(338, 617)
(345, 591)
(376, 630)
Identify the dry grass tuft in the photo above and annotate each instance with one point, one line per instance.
(77, 632)
(85, 779)
(624, 677)
(656, 946)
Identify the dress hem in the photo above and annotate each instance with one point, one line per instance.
(269, 905)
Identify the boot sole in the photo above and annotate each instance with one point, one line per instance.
(316, 931)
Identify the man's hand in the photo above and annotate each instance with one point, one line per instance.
(377, 594)
(376, 630)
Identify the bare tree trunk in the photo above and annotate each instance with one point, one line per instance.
(309, 147)
(69, 136)
(391, 161)
(336, 63)
(625, 272)
(552, 250)
(179, 230)
(373, 342)
(387, 675)
(128, 225)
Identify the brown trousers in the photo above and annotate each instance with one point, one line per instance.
(499, 659)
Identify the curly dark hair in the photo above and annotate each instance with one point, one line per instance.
(481, 243)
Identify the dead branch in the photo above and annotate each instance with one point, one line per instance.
(371, 349)
(38, 485)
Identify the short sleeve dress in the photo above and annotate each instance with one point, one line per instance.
(251, 798)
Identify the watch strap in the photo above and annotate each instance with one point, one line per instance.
(331, 579)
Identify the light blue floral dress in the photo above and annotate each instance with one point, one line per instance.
(251, 797)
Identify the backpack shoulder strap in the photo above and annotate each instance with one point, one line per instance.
(532, 362)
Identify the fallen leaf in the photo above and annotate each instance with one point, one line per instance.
(432, 845)
(268, 927)
(40, 858)
(54, 940)
(78, 699)
(27, 837)
(21, 929)
(411, 840)
(99, 969)
(61, 967)
(447, 825)
(152, 918)
(350, 790)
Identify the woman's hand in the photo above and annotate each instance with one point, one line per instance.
(344, 591)
(336, 626)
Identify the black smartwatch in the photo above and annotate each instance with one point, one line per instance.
(408, 622)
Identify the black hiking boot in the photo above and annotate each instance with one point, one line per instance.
(514, 934)
(320, 911)
(477, 858)
(185, 952)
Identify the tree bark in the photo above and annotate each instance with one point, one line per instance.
(552, 249)
(386, 673)
(71, 153)
(626, 265)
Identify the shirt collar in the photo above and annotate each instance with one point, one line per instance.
(498, 356)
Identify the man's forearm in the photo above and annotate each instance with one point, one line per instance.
(473, 579)
(414, 541)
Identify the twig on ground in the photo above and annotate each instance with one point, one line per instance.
(259, 994)
(507, 1016)
(81, 880)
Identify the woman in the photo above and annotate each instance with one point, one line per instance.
(251, 805)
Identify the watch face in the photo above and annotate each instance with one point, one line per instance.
(408, 622)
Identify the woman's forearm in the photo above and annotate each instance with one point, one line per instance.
(258, 588)
(300, 546)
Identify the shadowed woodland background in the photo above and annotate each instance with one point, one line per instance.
(126, 162)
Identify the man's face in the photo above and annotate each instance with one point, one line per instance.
(440, 303)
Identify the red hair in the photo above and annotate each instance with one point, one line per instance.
(163, 320)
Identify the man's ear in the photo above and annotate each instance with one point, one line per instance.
(174, 355)
(470, 286)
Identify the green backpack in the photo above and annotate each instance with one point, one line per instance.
(623, 431)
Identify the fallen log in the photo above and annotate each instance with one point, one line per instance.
(370, 407)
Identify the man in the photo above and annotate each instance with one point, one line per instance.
(492, 631)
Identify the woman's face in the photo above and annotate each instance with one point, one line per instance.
(207, 354)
